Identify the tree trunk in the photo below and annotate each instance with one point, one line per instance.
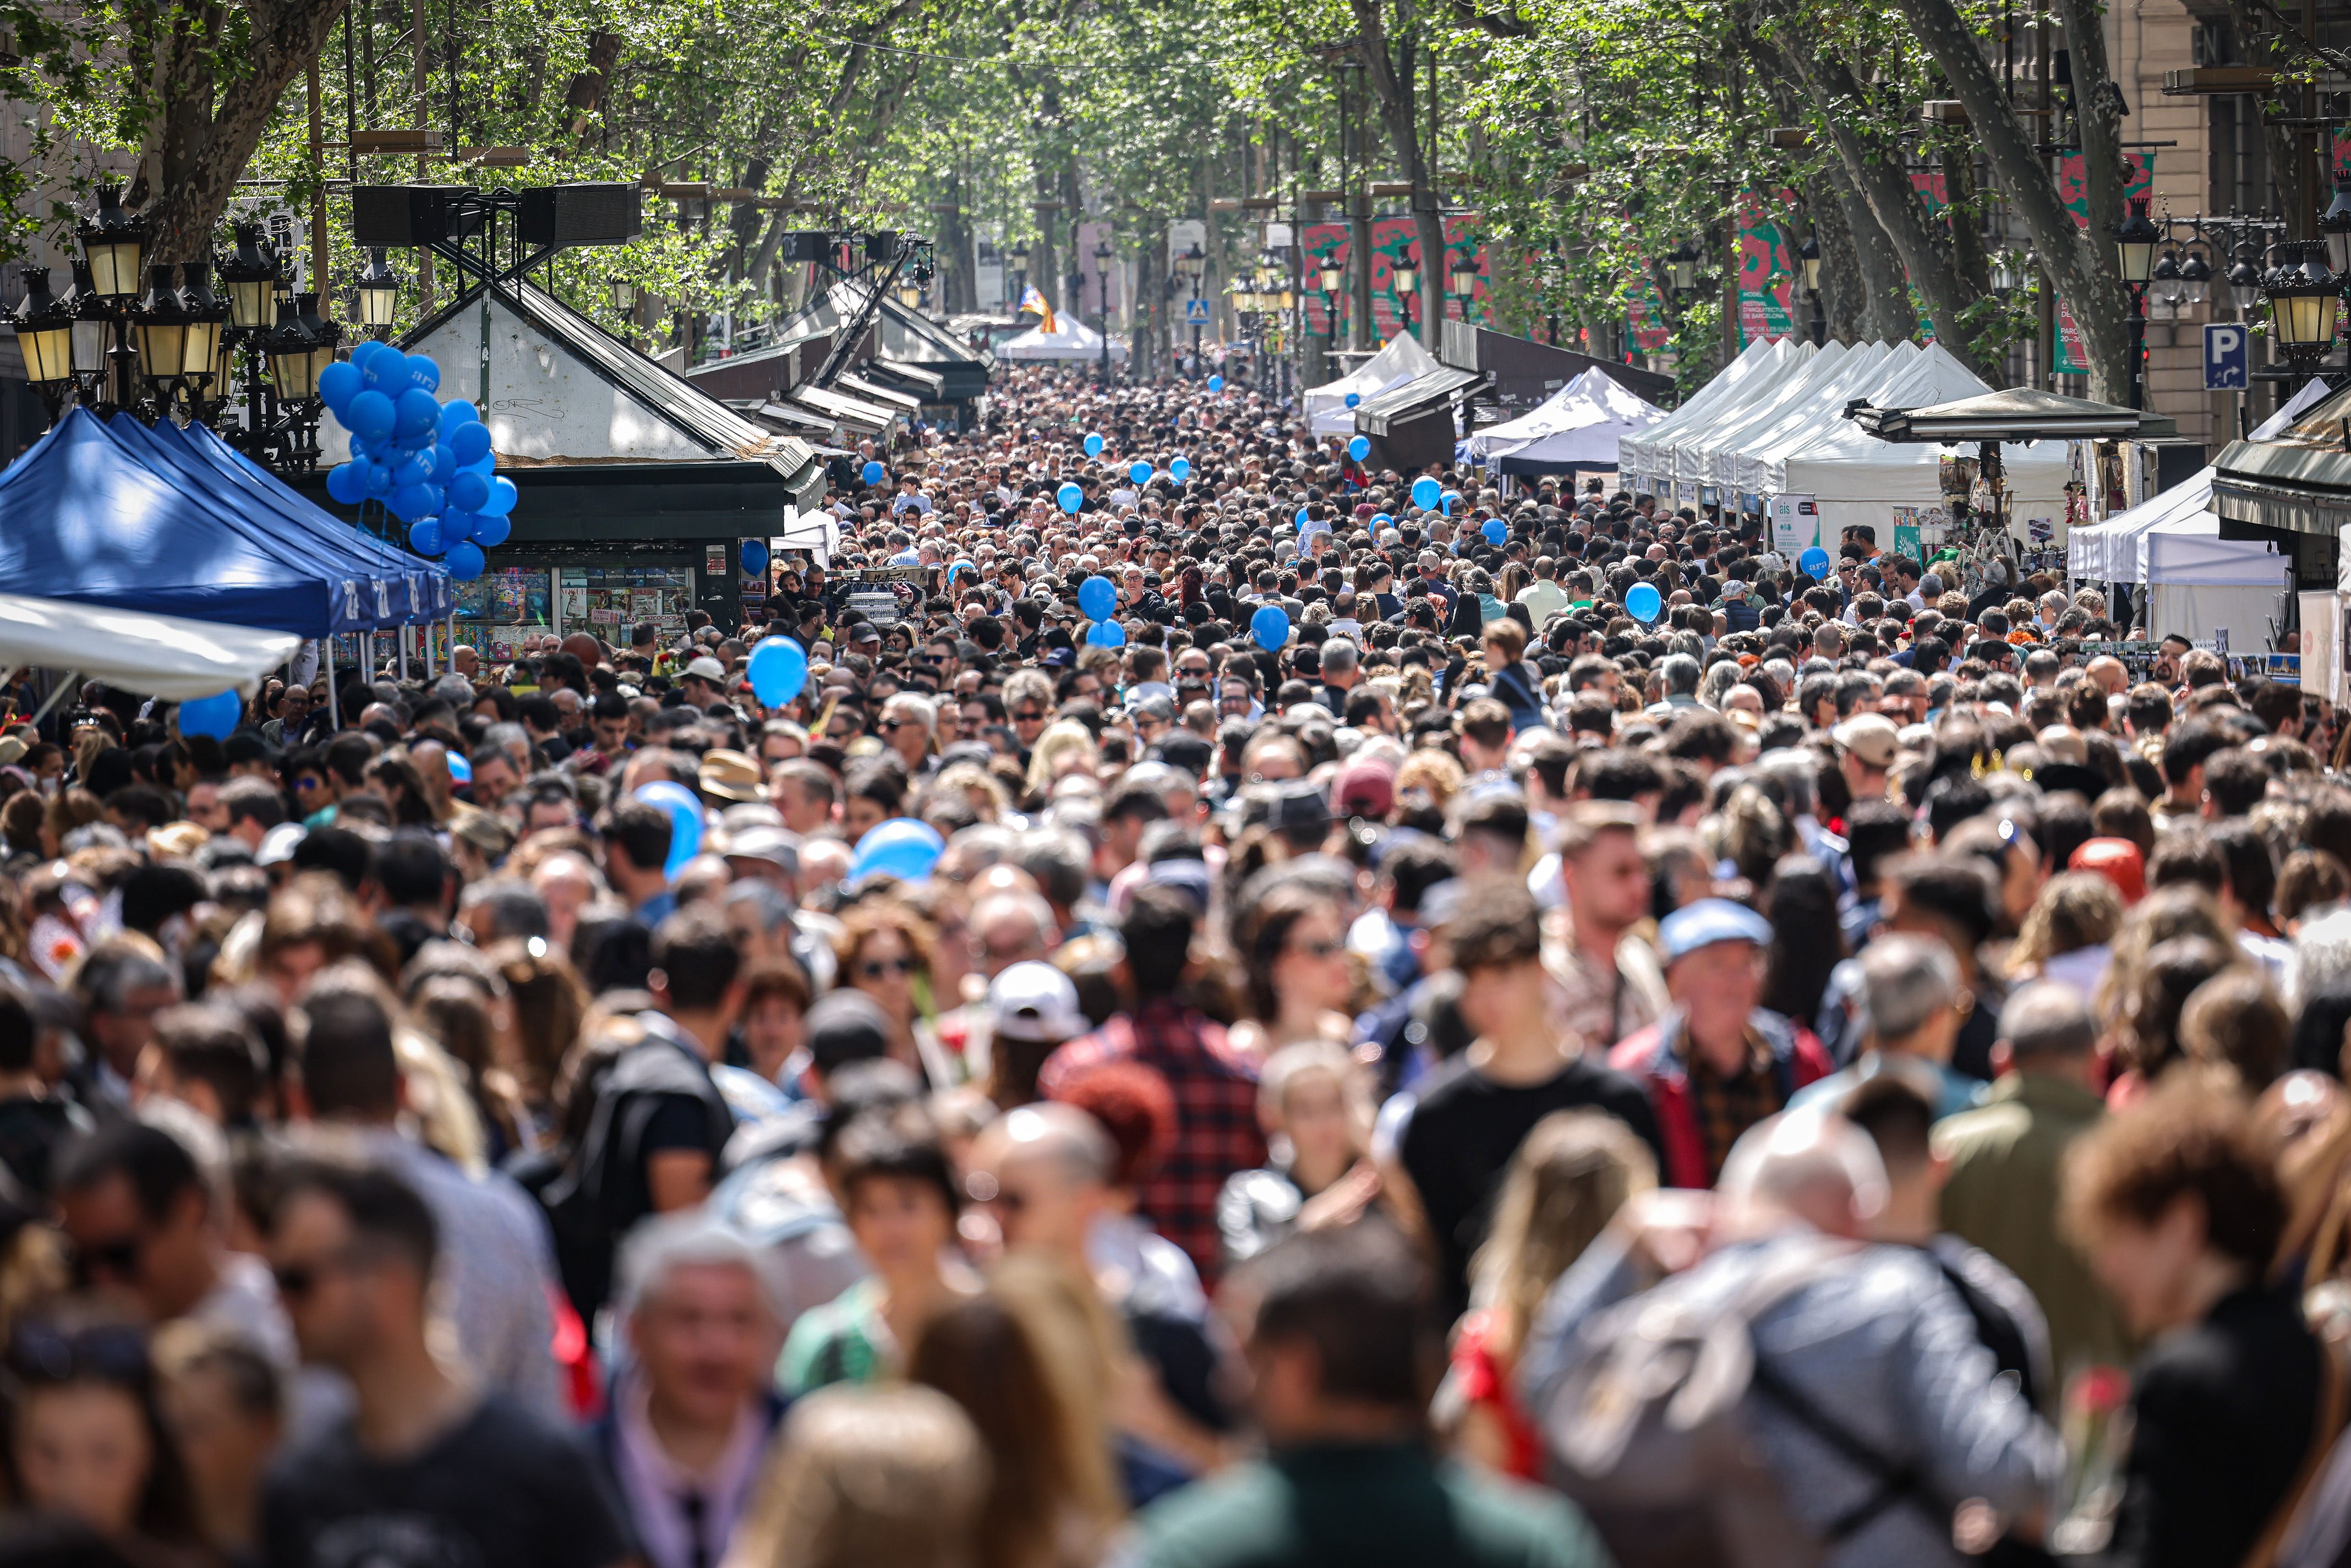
(1390, 78)
(2081, 260)
(1882, 312)
(1874, 164)
(207, 133)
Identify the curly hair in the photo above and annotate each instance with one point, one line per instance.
(2183, 1142)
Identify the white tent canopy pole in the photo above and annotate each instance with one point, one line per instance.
(154, 655)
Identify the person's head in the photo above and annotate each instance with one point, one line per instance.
(224, 1402)
(1313, 1101)
(1343, 1344)
(1714, 952)
(885, 949)
(1570, 1176)
(897, 1191)
(1600, 855)
(1157, 931)
(1294, 953)
(2234, 1023)
(696, 966)
(2175, 1202)
(2046, 1028)
(864, 1477)
(703, 1320)
(137, 1216)
(354, 1249)
(1497, 946)
(1895, 1109)
(1804, 1167)
(1916, 1003)
(1044, 1172)
(86, 1435)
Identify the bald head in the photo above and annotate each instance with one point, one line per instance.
(1811, 1167)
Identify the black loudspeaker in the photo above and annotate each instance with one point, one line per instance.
(882, 247)
(406, 215)
(806, 245)
(600, 213)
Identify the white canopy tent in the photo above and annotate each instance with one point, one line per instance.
(1708, 458)
(2196, 580)
(1691, 460)
(1070, 340)
(1857, 480)
(1400, 360)
(1644, 459)
(1582, 425)
(157, 655)
(1746, 468)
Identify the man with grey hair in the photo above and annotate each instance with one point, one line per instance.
(908, 724)
(2006, 1158)
(1873, 1411)
(1912, 1005)
(691, 1418)
(1679, 675)
(1339, 673)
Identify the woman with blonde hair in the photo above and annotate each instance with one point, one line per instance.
(867, 1477)
(1569, 1177)
(1065, 748)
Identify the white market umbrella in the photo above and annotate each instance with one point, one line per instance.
(155, 656)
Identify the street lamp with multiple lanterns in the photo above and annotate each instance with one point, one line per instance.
(157, 341)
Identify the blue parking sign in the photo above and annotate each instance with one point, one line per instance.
(2227, 357)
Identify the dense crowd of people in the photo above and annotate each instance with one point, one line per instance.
(1235, 1019)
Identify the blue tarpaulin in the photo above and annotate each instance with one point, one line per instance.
(137, 519)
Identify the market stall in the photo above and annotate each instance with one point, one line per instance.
(1070, 338)
(2196, 582)
(1582, 426)
(1400, 360)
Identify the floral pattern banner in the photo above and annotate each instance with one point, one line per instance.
(1392, 243)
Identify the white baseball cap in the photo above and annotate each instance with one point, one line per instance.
(1035, 1001)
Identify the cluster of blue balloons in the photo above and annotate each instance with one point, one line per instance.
(428, 462)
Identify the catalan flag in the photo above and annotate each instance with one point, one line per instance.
(1034, 303)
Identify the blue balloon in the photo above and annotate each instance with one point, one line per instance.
(1814, 562)
(1180, 470)
(1355, 398)
(490, 532)
(1098, 598)
(1643, 604)
(1426, 493)
(468, 443)
(384, 370)
(902, 848)
(1450, 499)
(486, 464)
(503, 497)
(215, 716)
(461, 767)
(411, 502)
(444, 464)
(1361, 447)
(1215, 384)
(370, 414)
(872, 473)
(1139, 473)
(1094, 445)
(755, 557)
(337, 384)
(457, 526)
(424, 374)
(1269, 627)
(1106, 634)
(424, 537)
(459, 413)
(415, 413)
(1381, 520)
(346, 484)
(378, 479)
(465, 562)
(415, 468)
(1496, 530)
(779, 671)
(469, 492)
(684, 810)
(1071, 498)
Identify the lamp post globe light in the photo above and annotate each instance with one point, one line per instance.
(2196, 275)
(2335, 228)
(161, 342)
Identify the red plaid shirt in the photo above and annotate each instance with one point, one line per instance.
(1217, 1132)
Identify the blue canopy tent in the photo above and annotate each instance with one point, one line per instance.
(428, 596)
(176, 466)
(81, 520)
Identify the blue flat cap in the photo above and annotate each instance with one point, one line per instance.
(1708, 921)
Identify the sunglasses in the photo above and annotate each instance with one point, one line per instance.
(106, 1260)
(1029, 715)
(878, 969)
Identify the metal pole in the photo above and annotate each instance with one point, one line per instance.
(2137, 345)
(334, 712)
